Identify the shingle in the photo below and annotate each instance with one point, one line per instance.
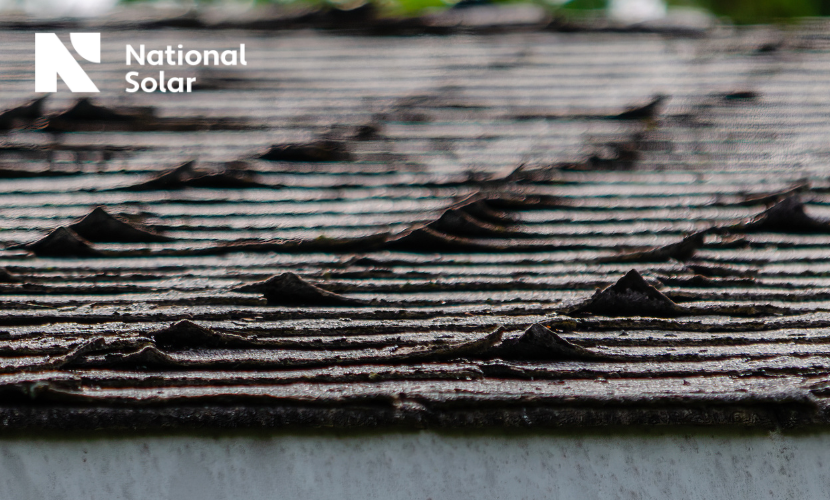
(454, 197)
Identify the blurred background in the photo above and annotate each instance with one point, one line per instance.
(735, 11)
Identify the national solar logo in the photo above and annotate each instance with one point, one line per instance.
(54, 60)
(176, 57)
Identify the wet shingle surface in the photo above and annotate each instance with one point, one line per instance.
(361, 230)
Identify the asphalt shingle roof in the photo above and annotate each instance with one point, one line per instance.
(360, 230)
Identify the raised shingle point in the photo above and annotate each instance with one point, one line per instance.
(62, 242)
(317, 151)
(630, 296)
(22, 115)
(682, 251)
(541, 343)
(644, 112)
(475, 348)
(234, 175)
(101, 226)
(786, 216)
(290, 289)
(458, 227)
(186, 334)
(169, 179)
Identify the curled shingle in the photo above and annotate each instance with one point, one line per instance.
(774, 197)
(459, 227)
(186, 334)
(100, 226)
(786, 216)
(23, 115)
(630, 296)
(475, 348)
(186, 175)
(644, 112)
(71, 358)
(422, 238)
(147, 355)
(682, 251)
(169, 179)
(290, 289)
(541, 343)
(317, 151)
(62, 242)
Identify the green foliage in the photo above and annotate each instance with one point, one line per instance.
(411, 7)
(760, 11)
(585, 5)
(739, 11)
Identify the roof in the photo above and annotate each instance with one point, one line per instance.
(527, 228)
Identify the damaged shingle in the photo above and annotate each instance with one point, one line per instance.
(318, 151)
(467, 220)
(232, 176)
(773, 198)
(681, 251)
(475, 348)
(62, 242)
(143, 356)
(100, 226)
(23, 115)
(186, 334)
(630, 296)
(645, 112)
(786, 216)
(459, 227)
(541, 343)
(290, 289)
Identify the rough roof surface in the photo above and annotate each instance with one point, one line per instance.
(365, 230)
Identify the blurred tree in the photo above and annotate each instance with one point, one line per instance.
(739, 11)
(759, 11)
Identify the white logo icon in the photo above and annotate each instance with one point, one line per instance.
(53, 59)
